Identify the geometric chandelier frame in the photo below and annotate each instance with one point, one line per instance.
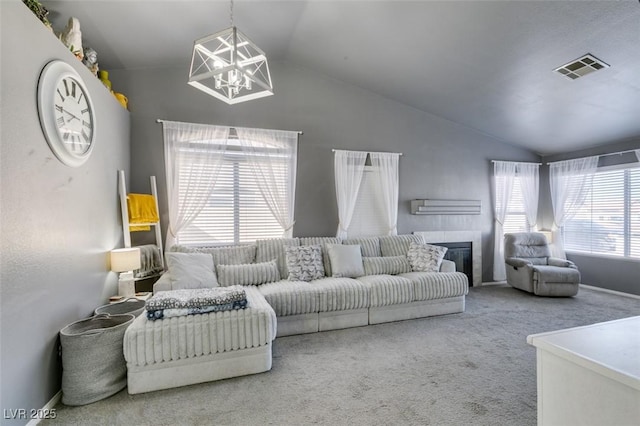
(230, 67)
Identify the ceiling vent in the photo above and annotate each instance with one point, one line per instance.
(581, 67)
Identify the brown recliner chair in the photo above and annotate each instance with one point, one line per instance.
(531, 268)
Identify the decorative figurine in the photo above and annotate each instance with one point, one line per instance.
(91, 60)
(72, 37)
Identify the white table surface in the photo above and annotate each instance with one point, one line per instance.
(609, 348)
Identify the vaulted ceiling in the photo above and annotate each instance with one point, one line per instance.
(487, 65)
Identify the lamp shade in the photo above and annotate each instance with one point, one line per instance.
(125, 259)
(548, 235)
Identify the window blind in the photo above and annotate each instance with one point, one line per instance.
(236, 211)
(368, 215)
(609, 220)
(516, 218)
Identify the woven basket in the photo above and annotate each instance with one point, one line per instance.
(93, 365)
(131, 306)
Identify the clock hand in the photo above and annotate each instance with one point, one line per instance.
(72, 116)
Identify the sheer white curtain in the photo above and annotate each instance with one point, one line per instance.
(386, 166)
(266, 151)
(570, 183)
(190, 152)
(504, 173)
(528, 174)
(349, 168)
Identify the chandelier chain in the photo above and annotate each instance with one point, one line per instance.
(231, 11)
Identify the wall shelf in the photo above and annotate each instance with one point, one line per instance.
(445, 207)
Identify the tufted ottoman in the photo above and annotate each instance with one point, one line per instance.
(193, 349)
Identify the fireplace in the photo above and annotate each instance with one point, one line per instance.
(460, 254)
(472, 239)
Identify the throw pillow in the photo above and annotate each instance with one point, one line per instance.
(425, 257)
(248, 274)
(191, 270)
(389, 265)
(346, 260)
(304, 263)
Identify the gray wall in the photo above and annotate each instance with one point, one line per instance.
(57, 224)
(612, 273)
(441, 159)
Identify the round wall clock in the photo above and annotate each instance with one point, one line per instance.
(66, 113)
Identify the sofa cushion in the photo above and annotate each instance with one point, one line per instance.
(248, 273)
(226, 255)
(339, 294)
(322, 242)
(391, 265)
(425, 257)
(191, 270)
(437, 285)
(304, 263)
(291, 297)
(397, 245)
(388, 289)
(232, 255)
(274, 249)
(346, 261)
(370, 246)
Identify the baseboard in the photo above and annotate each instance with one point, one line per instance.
(606, 290)
(47, 408)
(488, 283)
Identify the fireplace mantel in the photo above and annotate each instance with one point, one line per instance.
(475, 237)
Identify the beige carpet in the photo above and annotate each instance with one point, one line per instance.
(473, 368)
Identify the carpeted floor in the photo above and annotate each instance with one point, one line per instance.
(473, 368)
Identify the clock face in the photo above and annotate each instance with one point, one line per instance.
(74, 118)
(66, 113)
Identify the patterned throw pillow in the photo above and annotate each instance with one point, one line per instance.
(388, 265)
(304, 263)
(425, 257)
(248, 274)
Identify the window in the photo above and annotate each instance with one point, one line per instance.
(516, 217)
(368, 215)
(236, 211)
(609, 220)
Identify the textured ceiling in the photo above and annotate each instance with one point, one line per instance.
(485, 65)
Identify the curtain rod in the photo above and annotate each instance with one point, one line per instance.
(601, 155)
(300, 132)
(525, 162)
(368, 152)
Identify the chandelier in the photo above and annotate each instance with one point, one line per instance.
(229, 66)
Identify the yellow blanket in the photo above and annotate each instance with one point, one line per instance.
(141, 209)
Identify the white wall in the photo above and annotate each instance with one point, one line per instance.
(57, 223)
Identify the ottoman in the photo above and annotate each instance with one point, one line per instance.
(191, 349)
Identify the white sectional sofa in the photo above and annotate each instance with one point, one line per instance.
(338, 302)
(192, 349)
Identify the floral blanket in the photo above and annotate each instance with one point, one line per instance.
(195, 298)
(176, 312)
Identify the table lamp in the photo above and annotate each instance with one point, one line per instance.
(125, 260)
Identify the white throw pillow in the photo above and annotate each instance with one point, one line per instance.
(248, 273)
(425, 257)
(346, 260)
(191, 270)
